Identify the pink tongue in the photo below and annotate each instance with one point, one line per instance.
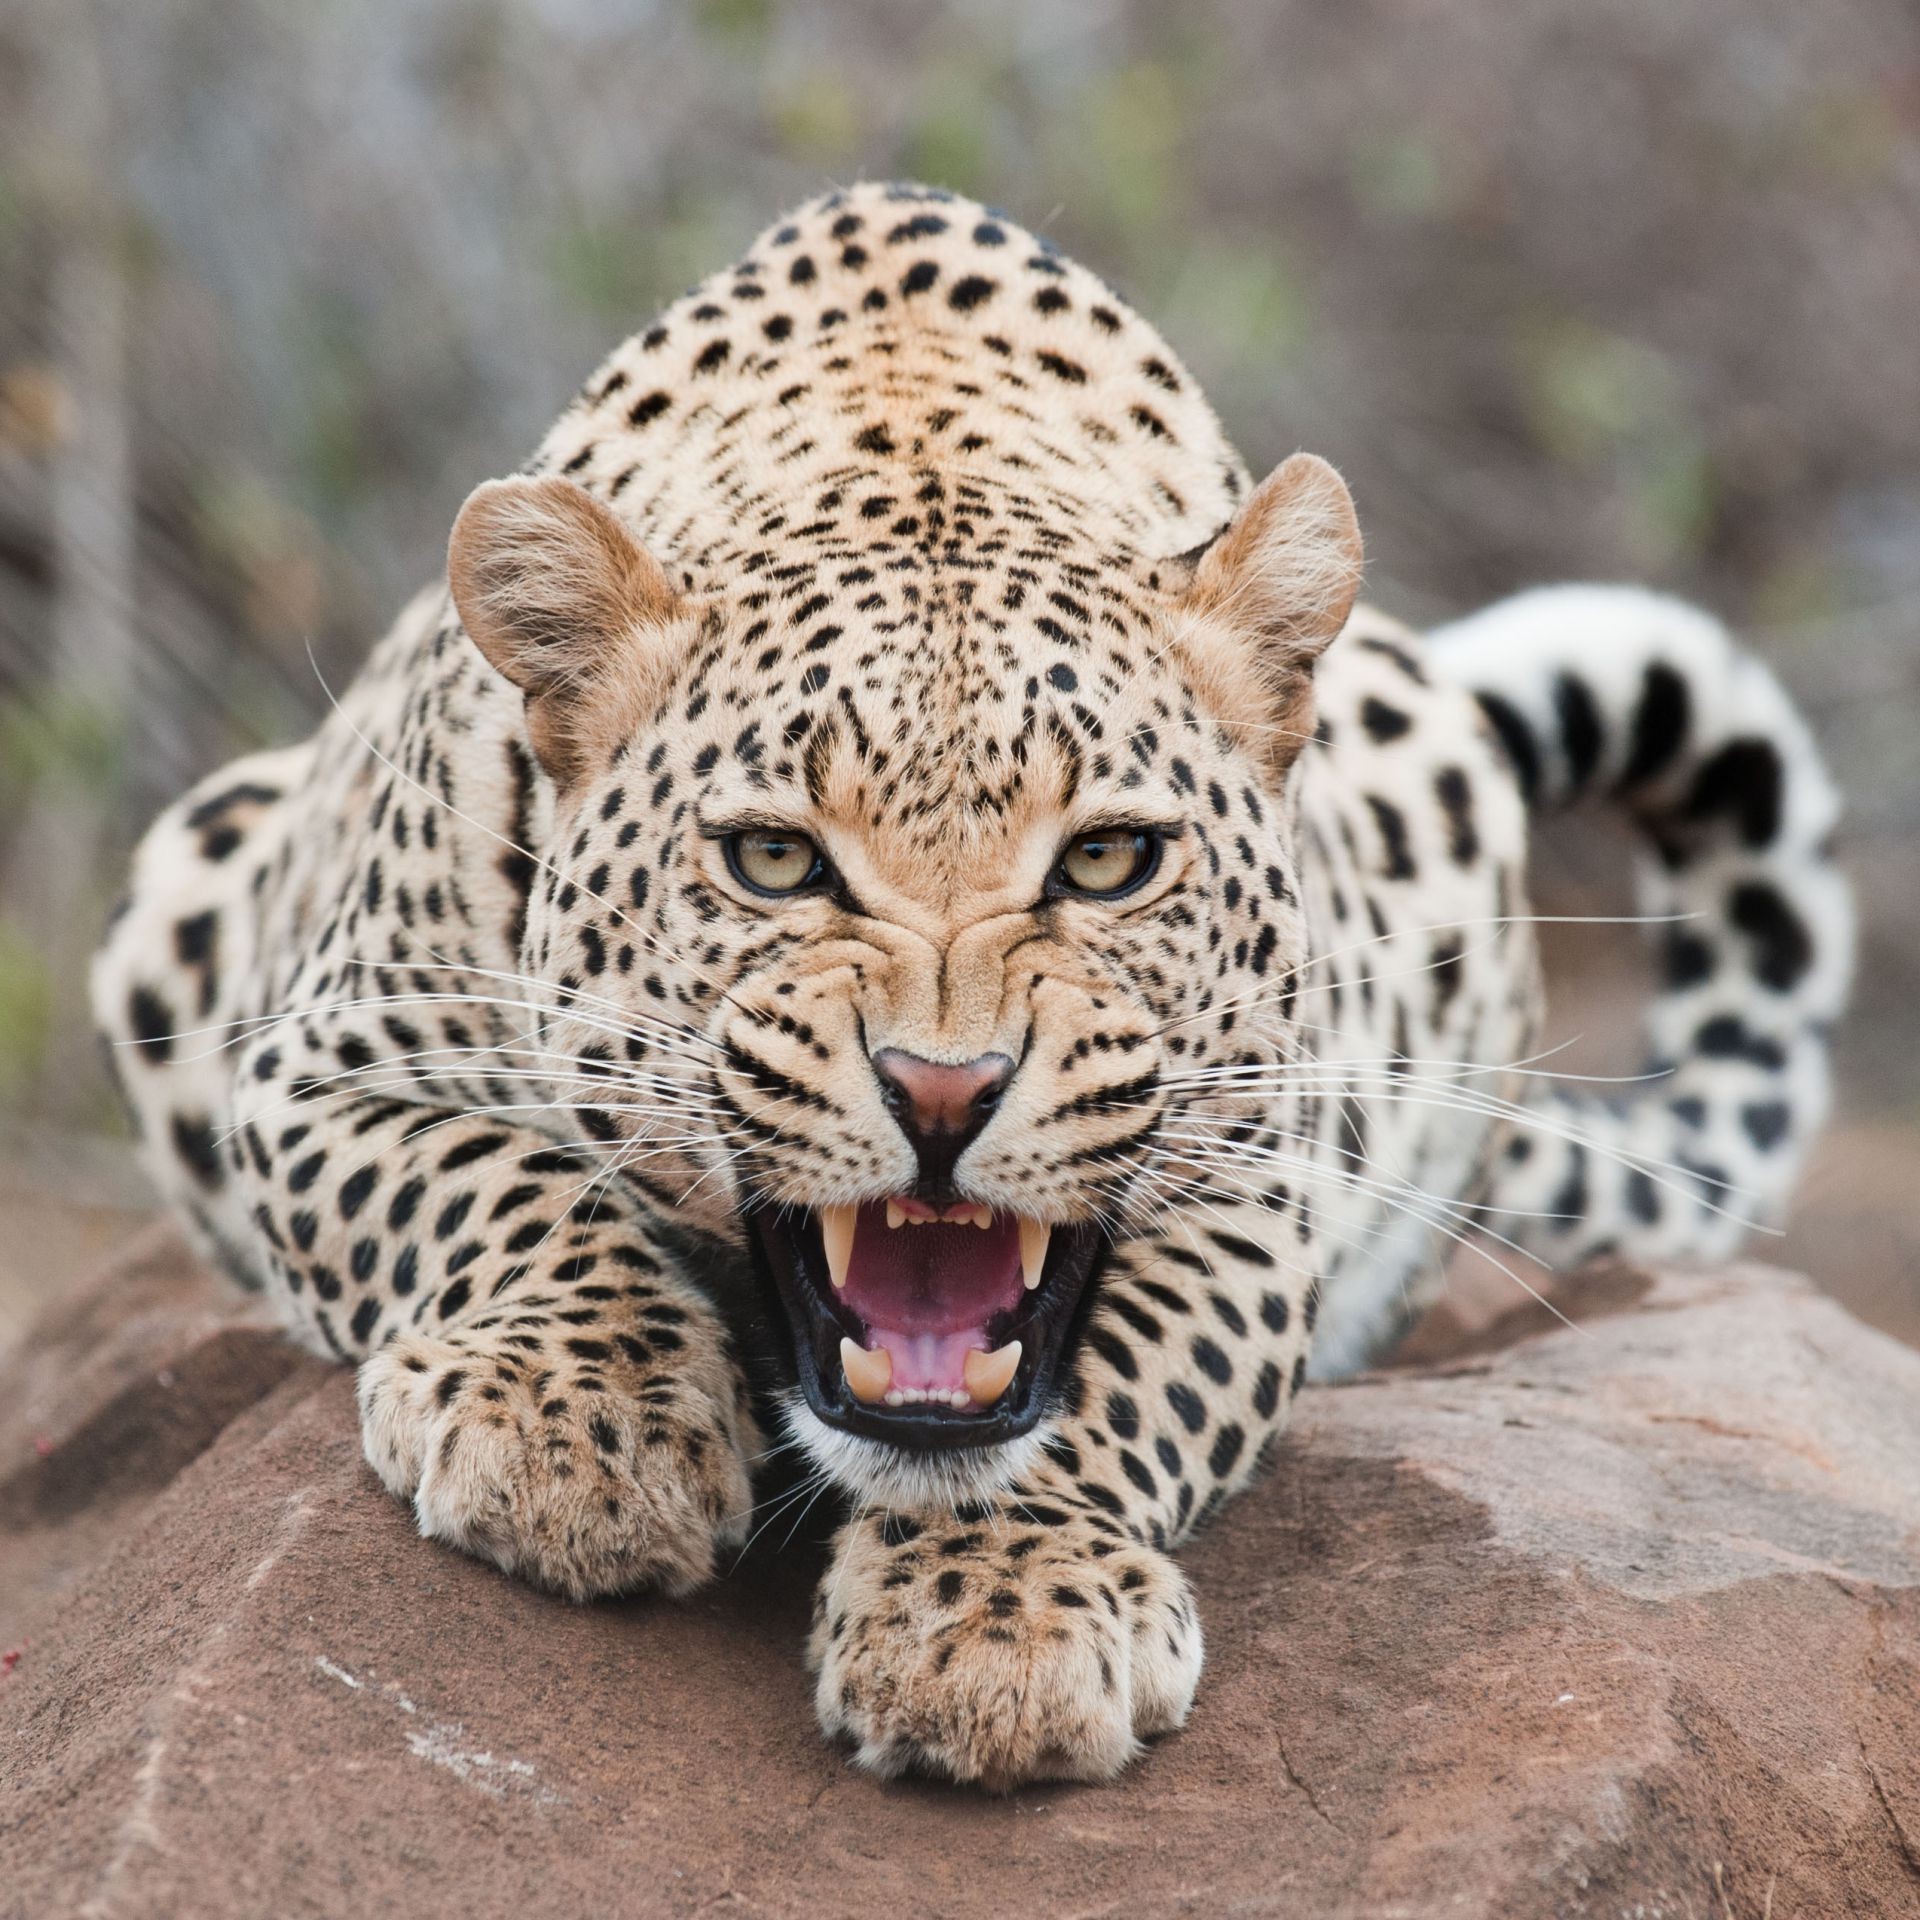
(927, 1293)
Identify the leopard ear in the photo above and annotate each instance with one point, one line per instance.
(1267, 596)
(566, 604)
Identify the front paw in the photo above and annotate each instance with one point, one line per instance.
(1001, 1652)
(584, 1489)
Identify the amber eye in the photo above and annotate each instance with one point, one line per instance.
(1109, 863)
(771, 862)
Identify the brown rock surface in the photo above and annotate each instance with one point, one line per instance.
(1623, 1622)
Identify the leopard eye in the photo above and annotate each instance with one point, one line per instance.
(766, 861)
(1107, 864)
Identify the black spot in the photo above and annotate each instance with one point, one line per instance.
(354, 1190)
(1580, 730)
(1266, 1391)
(1516, 739)
(1227, 1445)
(649, 407)
(1727, 1037)
(1570, 1203)
(1659, 726)
(1782, 947)
(1643, 1197)
(1456, 802)
(452, 1215)
(1187, 1406)
(1211, 1361)
(1766, 1122)
(151, 1020)
(1382, 722)
(1685, 960)
(1114, 1351)
(1742, 782)
(919, 277)
(1398, 856)
(967, 294)
(193, 1142)
(1239, 1247)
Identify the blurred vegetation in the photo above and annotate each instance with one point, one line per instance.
(1584, 288)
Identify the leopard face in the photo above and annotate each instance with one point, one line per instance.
(885, 911)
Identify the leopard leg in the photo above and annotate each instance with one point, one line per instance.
(535, 1377)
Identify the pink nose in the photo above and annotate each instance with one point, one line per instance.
(941, 1109)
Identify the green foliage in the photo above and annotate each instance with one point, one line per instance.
(817, 115)
(1400, 175)
(26, 1009)
(613, 268)
(1241, 299)
(69, 737)
(1598, 399)
(742, 22)
(949, 143)
(325, 340)
(1123, 144)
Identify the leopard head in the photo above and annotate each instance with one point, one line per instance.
(894, 889)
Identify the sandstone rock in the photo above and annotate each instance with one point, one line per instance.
(1617, 1621)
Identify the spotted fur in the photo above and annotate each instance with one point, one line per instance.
(449, 1029)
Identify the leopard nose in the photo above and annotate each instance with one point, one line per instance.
(941, 1109)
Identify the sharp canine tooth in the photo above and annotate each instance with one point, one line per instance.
(988, 1375)
(894, 1215)
(836, 1235)
(1034, 1235)
(869, 1373)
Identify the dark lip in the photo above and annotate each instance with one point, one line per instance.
(788, 1252)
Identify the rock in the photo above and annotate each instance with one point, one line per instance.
(1616, 1621)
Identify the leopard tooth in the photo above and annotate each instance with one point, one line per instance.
(988, 1375)
(895, 1216)
(869, 1371)
(1034, 1235)
(836, 1235)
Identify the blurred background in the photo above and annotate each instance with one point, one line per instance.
(1567, 288)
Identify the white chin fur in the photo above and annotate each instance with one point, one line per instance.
(875, 1474)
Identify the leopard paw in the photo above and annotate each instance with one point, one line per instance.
(1000, 1653)
(583, 1487)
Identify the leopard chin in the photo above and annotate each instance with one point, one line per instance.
(933, 1329)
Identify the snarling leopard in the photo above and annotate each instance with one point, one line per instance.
(891, 910)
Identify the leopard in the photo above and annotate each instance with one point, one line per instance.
(893, 916)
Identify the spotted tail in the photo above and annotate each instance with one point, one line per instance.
(1612, 693)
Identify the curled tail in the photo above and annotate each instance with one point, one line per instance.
(1612, 693)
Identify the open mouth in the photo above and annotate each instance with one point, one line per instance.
(927, 1326)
